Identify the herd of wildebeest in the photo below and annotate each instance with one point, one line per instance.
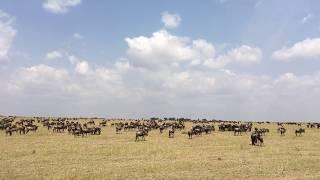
(93, 126)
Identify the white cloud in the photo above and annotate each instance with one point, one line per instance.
(82, 67)
(77, 36)
(170, 20)
(54, 55)
(306, 49)
(81, 82)
(245, 55)
(41, 73)
(7, 35)
(38, 80)
(60, 6)
(306, 18)
(163, 50)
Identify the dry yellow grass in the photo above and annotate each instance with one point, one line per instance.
(220, 155)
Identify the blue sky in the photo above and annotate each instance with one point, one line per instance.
(227, 59)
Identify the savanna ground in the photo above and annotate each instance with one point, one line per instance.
(220, 155)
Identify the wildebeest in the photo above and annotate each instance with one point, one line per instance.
(197, 130)
(140, 134)
(78, 132)
(237, 131)
(282, 131)
(208, 129)
(299, 131)
(161, 128)
(22, 130)
(190, 133)
(264, 131)
(96, 131)
(171, 133)
(58, 128)
(118, 129)
(103, 123)
(91, 122)
(256, 138)
(31, 128)
(9, 131)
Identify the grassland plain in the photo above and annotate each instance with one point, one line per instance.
(220, 155)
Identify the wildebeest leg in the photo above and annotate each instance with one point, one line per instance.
(252, 140)
(261, 141)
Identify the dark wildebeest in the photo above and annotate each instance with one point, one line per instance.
(86, 131)
(299, 131)
(237, 131)
(22, 130)
(208, 129)
(58, 129)
(263, 131)
(118, 129)
(91, 122)
(190, 134)
(141, 134)
(9, 131)
(96, 131)
(78, 132)
(171, 133)
(31, 128)
(161, 129)
(197, 130)
(256, 138)
(103, 123)
(282, 131)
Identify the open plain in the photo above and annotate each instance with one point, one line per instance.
(45, 154)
